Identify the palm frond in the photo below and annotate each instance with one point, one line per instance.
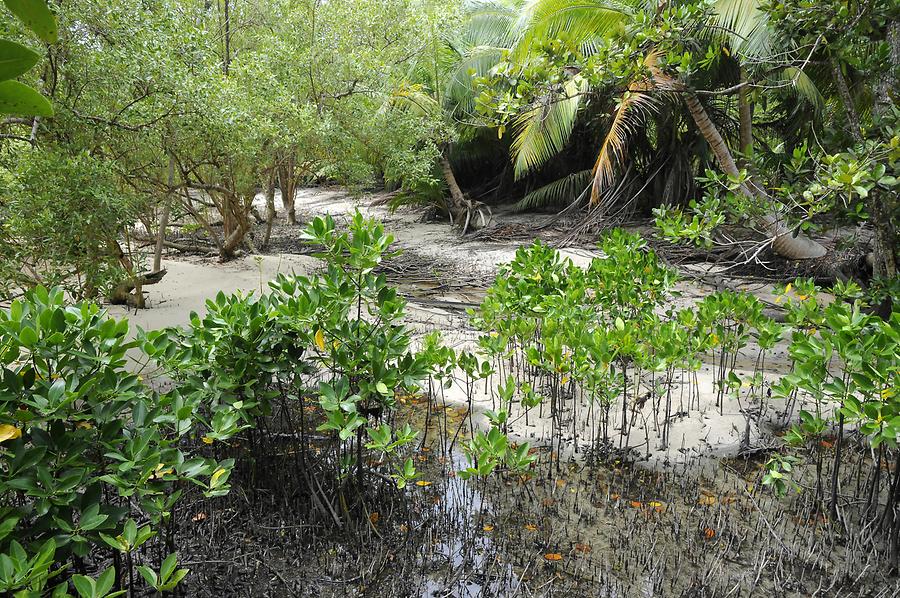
(491, 23)
(580, 21)
(612, 150)
(542, 131)
(476, 63)
(743, 26)
(800, 83)
(413, 98)
(559, 192)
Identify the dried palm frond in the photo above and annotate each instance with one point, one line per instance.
(633, 105)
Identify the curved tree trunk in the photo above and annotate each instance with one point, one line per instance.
(457, 199)
(785, 243)
(464, 212)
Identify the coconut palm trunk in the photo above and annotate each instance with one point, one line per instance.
(785, 243)
(745, 110)
(464, 212)
(457, 199)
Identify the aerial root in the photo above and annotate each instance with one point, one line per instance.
(472, 214)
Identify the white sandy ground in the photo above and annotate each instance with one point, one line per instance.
(698, 432)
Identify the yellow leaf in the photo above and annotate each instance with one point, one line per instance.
(725, 51)
(215, 476)
(500, 130)
(564, 381)
(207, 440)
(161, 471)
(788, 288)
(423, 483)
(531, 527)
(707, 500)
(84, 425)
(8, 432)
(488, 528)
(320, 339)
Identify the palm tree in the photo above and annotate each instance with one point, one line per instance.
(438, 88)
(544, 128)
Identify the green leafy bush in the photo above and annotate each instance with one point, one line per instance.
(85, 445)
(63, 217)
(335, 338)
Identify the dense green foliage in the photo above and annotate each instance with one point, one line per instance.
(754, 81)
(778, 117)
(290, 92)
(66, 214)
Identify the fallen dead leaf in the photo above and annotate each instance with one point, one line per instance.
(553, 556)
